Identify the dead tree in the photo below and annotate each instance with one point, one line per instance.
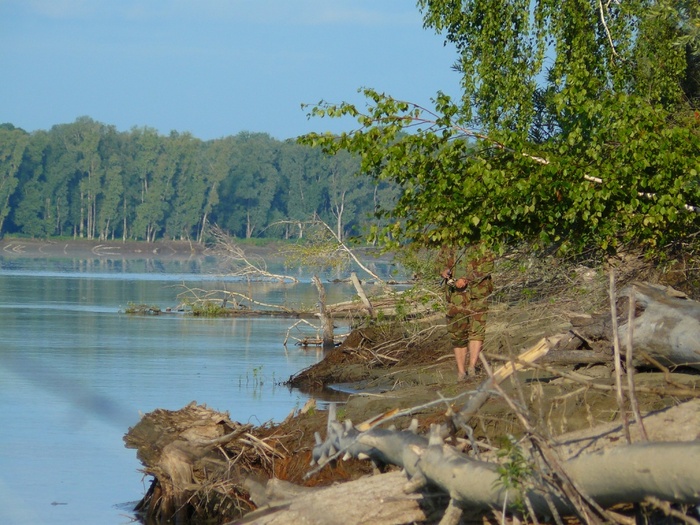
(361, 294)
(241, 264)
(666, 326)
(621, 475)
(324, 316)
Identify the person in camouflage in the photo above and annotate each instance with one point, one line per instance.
(468, 285)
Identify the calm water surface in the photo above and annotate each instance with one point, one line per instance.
(75, 374)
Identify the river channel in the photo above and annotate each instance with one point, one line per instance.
(76, 373)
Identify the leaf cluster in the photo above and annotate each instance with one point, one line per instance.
(515, 470)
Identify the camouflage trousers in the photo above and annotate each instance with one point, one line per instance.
(467, 311)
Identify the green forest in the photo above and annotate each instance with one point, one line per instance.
(88, 180)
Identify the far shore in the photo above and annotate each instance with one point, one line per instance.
(116, 249)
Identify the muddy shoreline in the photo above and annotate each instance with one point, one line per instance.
(416, 382)
(386, 371)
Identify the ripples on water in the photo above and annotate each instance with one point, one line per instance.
(75, 373)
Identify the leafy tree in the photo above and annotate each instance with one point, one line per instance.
(30, 169)
(344, 190)
(328, 188)
(110, 203)
(153, 174)
(291, 164)
(307, 184)
(110, 210)
(216, 161)
(61, 180)
(248, 194)
(190, 187)
(13, 142)
(577, 127)
(82, 140)
(87, 179)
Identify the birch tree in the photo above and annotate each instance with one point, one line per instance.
(577, 126)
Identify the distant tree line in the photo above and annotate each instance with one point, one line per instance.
(88, 180)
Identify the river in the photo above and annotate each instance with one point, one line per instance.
(76, 372)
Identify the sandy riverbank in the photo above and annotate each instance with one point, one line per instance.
(85, 249)
(99, 249)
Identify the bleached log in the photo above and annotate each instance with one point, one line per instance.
(326, 319)
(361, 293)
(674, 424)
(366, 497)
(626, 474)
(378, 500)
(666, 325)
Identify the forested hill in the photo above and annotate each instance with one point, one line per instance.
(88, 180)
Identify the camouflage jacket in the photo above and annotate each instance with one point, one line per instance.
(470, 265)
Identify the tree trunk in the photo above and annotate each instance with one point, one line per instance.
(379, 500)
(200, 236)
(325, 317)
(666, 326)
(361, 292)
(623, 474)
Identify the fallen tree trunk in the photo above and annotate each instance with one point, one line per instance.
(624, 474)
(666, 325)
(478, 482)
(361, 294)
(679, 423)
(375, 500)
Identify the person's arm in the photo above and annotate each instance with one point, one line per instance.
(446, 262)
(475, 269)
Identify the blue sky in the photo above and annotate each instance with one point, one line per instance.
(211, 67)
